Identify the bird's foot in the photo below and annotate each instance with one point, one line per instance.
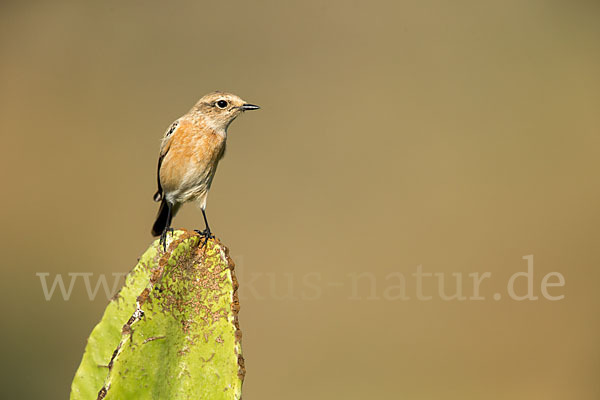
(163, 238)
(206, 234)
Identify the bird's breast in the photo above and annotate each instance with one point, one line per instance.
(191, 160)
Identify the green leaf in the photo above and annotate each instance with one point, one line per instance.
(171, 332)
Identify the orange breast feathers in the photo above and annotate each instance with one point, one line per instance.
(191, 154)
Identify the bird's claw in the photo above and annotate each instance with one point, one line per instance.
(206, 234)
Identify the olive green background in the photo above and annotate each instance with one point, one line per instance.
(460, 136)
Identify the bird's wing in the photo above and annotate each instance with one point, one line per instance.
(164, 149)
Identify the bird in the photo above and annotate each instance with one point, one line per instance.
(190, 151)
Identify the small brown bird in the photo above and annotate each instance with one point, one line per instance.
(189, 154)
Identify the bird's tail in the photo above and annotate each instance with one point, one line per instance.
(163, 218)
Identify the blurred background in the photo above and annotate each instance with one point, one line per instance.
(459, 136)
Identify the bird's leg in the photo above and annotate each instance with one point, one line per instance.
(163, 236)
(206, 233)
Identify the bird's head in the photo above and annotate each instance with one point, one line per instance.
(219, 109)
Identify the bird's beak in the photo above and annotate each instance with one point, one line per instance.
(247, 106)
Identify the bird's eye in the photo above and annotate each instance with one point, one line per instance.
(221, 104)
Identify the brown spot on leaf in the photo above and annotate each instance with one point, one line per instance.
(150, 339)
(242, 367)
(102, 393)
